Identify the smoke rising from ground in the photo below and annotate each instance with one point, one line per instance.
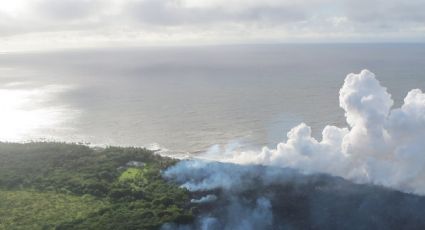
(381, 145)
(231, 183)
(205, 199)
(265, 197)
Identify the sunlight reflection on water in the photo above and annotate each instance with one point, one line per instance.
(25, 113)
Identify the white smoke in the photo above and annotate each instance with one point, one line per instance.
(201, 175)
(231, 180)
(236, 215)
(205, 199)
(383, 146)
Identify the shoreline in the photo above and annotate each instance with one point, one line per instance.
(156, 148)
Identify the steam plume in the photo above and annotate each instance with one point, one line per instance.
(381, 145)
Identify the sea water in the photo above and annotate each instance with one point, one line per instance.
(186, 99)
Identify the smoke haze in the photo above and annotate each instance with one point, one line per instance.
(274, 188)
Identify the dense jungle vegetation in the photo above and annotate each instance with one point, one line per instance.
(72, 186)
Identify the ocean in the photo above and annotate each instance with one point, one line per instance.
(187, 99)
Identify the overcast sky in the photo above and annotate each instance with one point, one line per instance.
(51, 24)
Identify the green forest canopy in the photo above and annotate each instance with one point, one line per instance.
(71, 186)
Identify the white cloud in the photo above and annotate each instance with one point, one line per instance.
(209, 21)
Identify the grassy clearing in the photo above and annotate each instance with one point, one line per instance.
(131, 174)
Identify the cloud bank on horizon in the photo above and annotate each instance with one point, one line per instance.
(383, 146)
(41, 24)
